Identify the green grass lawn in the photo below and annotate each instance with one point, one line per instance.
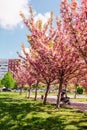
(19, 113)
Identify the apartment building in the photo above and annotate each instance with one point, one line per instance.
(7, 65)
(3, 67)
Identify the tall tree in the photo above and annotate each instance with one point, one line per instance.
(40, 43)
(23, 77)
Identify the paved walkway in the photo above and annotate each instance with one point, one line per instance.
(78, 105)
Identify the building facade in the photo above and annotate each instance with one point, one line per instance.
(3, 67)
(7, 65)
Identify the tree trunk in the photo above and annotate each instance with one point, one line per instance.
(46, 93)
(20, 92)
(59, 95)
(75, 91)
(28, 92)
(35, 98)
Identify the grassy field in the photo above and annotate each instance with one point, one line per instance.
(19, 113)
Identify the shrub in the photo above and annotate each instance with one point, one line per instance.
(80, 90)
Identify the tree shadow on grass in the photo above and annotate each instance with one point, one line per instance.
(50, 123)
(26, 115)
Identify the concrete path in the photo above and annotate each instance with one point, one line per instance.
(78, 105)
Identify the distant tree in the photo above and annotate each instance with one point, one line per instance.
(8, 80)
(76, 81)
(23, 77)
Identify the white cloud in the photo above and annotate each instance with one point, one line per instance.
(10, 10)
(10, 13)
(44, 17)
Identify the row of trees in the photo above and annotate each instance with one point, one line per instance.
(57, 54)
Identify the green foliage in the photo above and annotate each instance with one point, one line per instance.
(1, 84)
(79, 90)
(8, 80)
(41, 87)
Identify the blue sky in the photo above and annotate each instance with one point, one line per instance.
(12, 30)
